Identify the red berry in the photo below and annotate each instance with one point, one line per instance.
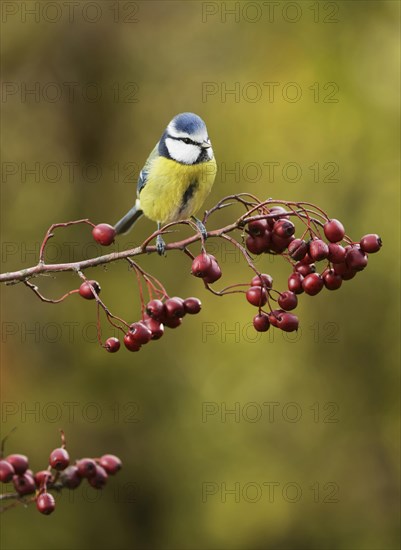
(263, 280)
(72, 478)
(86, 292)
(344, 271)
(318, 250)
(275, 316)
(259, 244)
(295, 283)
(98, 480)
(45, 503)
(356, 259)
(336, 253)
(173, 322)
(334, 231)
(297, 249)
(18, 462)
(287, 300)
(288, 322)
(284, 228)
(279, 244)
(371, 243)
(155, 327)
(24, 484)
(305, 269)
(174, 307)
(192, 305)
(213, 274)
(140, 333)
(279, 212)
(331, 280)
(111, 463)
(257, 228)
(348, 274)
(201, 265)
(131, 344)
(255, 245)
(312, 284)
(256, 295)
(6, 471)
(155, 309)
(340, 268)
(59, 459)
(86, 467)
(104, 234)
(112, 344)
(306, 260)
(42, 477)
(261, 322)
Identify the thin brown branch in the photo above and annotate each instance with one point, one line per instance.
(254, 210)
(42, 268)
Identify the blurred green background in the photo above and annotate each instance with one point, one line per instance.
(86, 93)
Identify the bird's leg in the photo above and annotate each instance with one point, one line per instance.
(201, 227)
(160, 244)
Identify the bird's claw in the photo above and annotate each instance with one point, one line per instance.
(160, 245)
(201, 227)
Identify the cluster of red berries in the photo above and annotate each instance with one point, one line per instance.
(272, 235)
(276, 234)
(59, 474)
(157, 315)
(260, 293)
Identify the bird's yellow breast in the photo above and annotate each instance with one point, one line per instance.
(175, 191)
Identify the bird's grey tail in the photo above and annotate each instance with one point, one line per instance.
(126, 222)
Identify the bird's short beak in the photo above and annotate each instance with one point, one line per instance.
(206, 145)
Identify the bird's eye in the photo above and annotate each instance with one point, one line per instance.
(186, 140)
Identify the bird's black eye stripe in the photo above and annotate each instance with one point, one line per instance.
(189, 141)
(185, 140)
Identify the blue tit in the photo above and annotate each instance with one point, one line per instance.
(177, 177)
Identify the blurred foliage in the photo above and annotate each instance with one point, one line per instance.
(347, 351)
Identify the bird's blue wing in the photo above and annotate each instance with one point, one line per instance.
(143, 175)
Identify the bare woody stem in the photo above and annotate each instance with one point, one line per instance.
(42, 268)
(255, 210)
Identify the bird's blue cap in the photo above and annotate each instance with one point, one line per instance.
(189, 123)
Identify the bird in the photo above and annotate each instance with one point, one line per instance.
(176, 178)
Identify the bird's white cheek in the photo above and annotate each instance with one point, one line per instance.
(182, 152)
